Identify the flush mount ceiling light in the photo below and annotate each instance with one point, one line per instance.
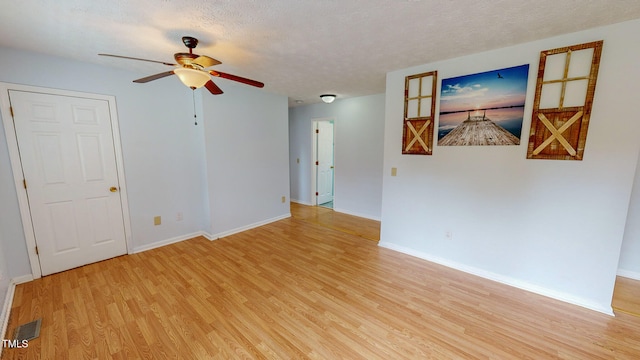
(191, 77)
(328, 98)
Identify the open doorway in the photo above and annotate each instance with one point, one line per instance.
(323, 171)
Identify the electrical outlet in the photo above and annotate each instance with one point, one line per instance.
(157, 220)
(179, 216)
(284, 198)
(448, 235)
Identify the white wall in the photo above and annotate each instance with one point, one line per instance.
(554, 227)
(246, 154)
(4, 280)
(163, 151)
(629, 265)
(358, 150)
(165, 159)
(300, 148)
(5, 291)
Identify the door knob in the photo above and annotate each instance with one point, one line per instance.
(113, 189)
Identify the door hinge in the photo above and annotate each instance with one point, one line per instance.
(317, 131)
(24, 183)
(316, 193)
(37, 253)
(11, 110)
(317, 163)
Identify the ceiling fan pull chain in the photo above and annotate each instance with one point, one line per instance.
(195, 118)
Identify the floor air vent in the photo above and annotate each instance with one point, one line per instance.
(28, 331)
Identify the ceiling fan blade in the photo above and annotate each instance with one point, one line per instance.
(205, 61)
(154, 77)
(213, 88)
(237, 78)
(134, 58)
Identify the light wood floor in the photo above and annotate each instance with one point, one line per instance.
(626, 296)
(295, 289)
(354, 225)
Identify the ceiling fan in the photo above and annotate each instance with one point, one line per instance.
(191, 69)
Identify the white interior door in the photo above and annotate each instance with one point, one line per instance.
(69, 166)
(325, 162)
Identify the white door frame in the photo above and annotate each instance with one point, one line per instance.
(314, 157)
(16, 164)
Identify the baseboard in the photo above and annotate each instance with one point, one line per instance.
(502, 279)
(301, 202)
(6, 310)
(352, 213)
(205, 234)
(248, 227)
(208, 236)
(22, 279)
(629, 274)
(166, 242)
(8, 303)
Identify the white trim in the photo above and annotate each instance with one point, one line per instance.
(248, 227)
(6, 310)
(166, 242)
(629, 274)
(124, 198)
(356, 214)
(502, 279)
(8, 303)
(208, 236)
(16, 165)
(22, 279)
(314, 157)
(314, 167)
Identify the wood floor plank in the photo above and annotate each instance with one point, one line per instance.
(354, 225)
(626, 296)
(299, 289)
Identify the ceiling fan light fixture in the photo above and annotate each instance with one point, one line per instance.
(192, 78)
(327, 98)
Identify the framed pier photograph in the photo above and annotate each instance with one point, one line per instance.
(483, 109)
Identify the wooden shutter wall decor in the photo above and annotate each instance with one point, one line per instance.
(419, 107)
(564, 97)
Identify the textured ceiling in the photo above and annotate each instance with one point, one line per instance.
(298, 48)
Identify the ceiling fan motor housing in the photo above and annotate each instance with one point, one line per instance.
(185, 58)
(190, 42)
